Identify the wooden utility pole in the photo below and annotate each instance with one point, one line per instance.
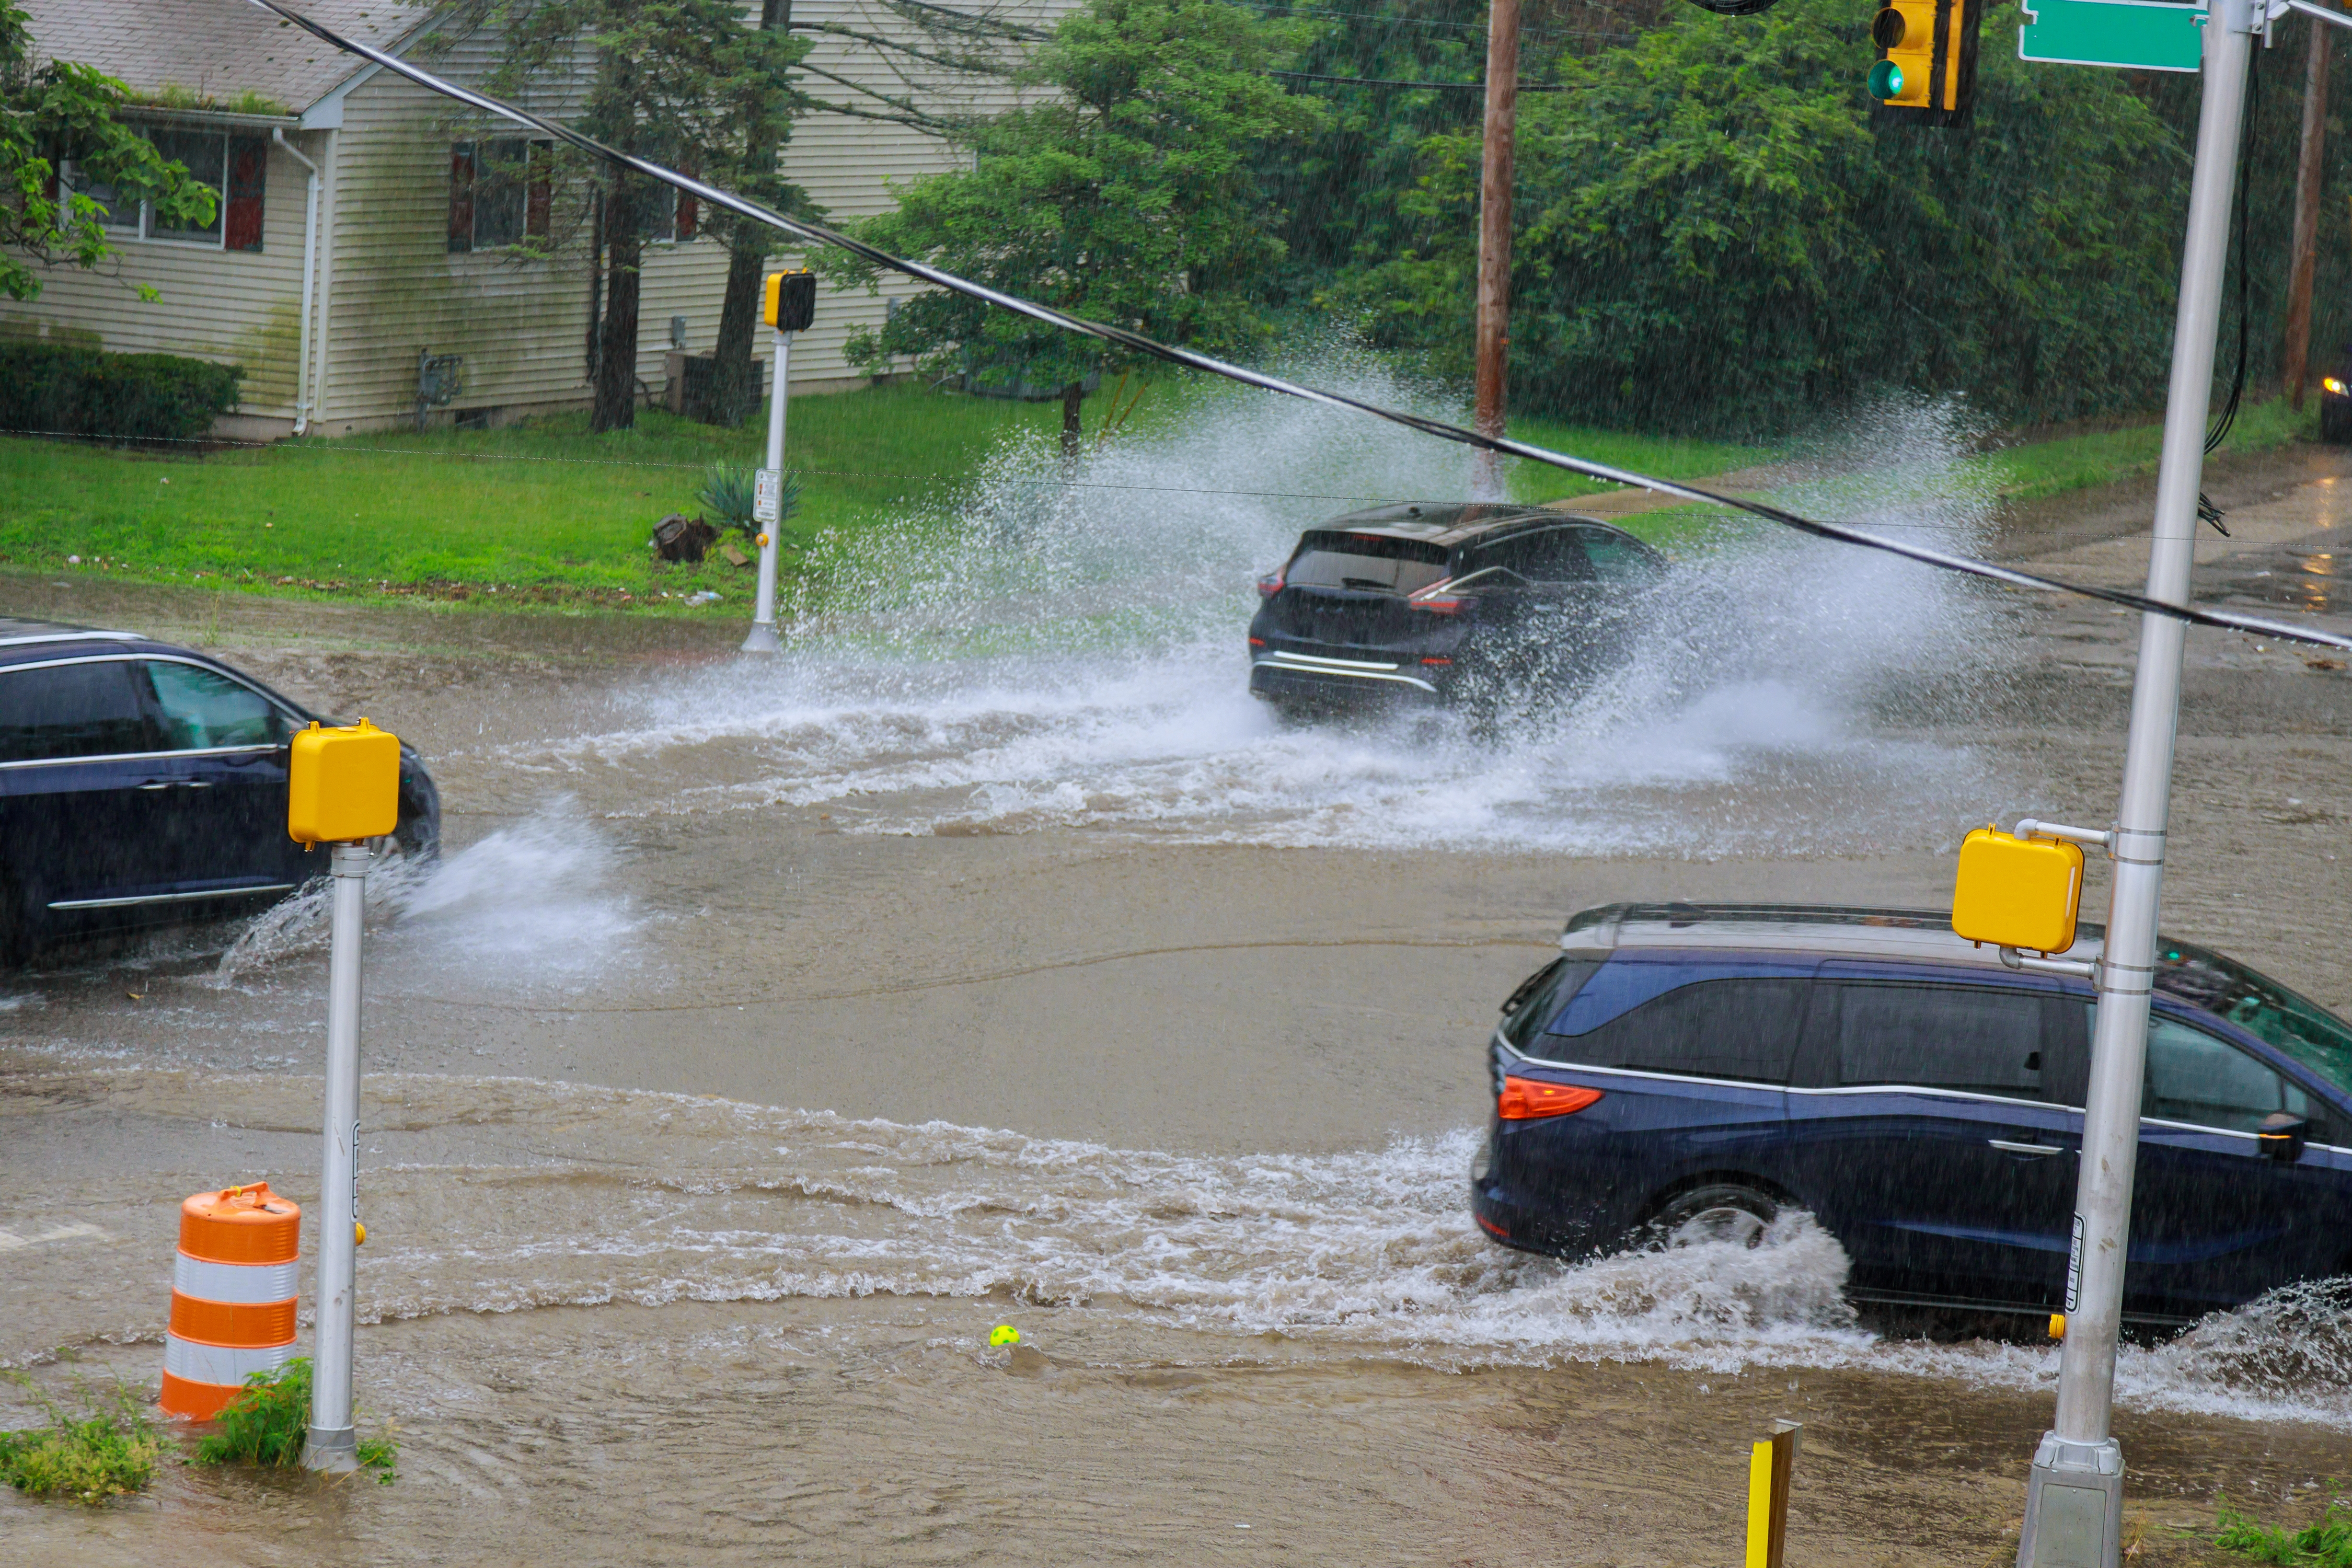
(1495, 239)
(2308, 177)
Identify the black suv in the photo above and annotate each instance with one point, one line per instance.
(1684, 1072)
(141, 783)
(1436, 604)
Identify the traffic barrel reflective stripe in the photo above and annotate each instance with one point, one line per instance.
(232, 1296)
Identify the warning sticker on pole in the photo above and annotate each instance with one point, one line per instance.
(767, 496)
(2074, 1268)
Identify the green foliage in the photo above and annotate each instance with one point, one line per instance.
(67, 391)
(2324, 1543)
(108, 1450)
(269, 1422)
(1129, 194)
(1713, 233)
(56, 110)
(729, 491)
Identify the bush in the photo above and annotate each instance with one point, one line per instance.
(271, 1421)
(108, 1451)
(51, 389)
(2324, 1543)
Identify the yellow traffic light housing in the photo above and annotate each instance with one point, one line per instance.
(789, 303)
(1926, 66)
(343, 785)
(2018, 892)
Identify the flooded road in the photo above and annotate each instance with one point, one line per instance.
(771, 1031)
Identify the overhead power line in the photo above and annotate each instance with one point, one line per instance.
(1135, 343)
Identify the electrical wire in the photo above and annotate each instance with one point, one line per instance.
(2225, 420)
(1135, 343)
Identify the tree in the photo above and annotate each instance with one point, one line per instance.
(684, 82)
(1129, 195)
(764, 125)
(59, 110)
(1716, 235)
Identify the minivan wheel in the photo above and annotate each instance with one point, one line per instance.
(1718, 1213)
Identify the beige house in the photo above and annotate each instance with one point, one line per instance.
(361, 266)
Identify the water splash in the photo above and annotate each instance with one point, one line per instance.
(1064, 649)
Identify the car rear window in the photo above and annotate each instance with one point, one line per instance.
(1977, 1039)
(70, 711)
(1374, 563)
(1745, 1028)
(1540, 995)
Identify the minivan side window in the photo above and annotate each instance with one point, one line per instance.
(202, 709)
(2192, 1077)
(1744, 1028)
(57, 711)
(1616, 559)
(1978, 1039)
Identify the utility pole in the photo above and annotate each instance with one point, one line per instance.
(2073, 1506)
(2307, 180)
(1494, 239)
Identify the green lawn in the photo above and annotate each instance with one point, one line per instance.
(544, 512)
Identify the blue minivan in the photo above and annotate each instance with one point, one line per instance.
(1686, 1072)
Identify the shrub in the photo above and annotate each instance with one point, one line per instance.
(729, 490)
(2324, 1543)
(269, 1422)
(108, 1451)
(53, 389)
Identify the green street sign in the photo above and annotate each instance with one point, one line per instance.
(2139, 35)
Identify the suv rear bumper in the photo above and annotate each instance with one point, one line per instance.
(1282, 676)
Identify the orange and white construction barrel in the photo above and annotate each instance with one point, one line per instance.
(232, 1295)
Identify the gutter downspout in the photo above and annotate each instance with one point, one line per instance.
(309, 279)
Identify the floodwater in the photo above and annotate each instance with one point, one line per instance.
(771, 1031)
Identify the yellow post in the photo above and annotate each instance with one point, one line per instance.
(1760, 1506)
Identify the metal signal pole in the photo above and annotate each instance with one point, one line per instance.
(2074, 1508)
(1494, 239)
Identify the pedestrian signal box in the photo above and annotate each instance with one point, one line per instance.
(343, 785)
(1926, 66)
(790, 304)
(2018, 892)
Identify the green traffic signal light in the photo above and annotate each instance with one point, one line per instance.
(1885, 80)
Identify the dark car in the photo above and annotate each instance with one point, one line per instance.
(1430, 603)
(141, 783)
(1688, 1072)
(2336, 399)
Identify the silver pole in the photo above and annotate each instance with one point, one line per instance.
(2073, 1509)
(333, 1445)
(763, 619)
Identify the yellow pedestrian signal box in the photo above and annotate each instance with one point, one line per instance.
(2018, 892)
(342, 783)
(791, 302)
(1927, 67)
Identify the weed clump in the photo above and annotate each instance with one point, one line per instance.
(269, 1422)
(2326, 1543)
(109, 1451)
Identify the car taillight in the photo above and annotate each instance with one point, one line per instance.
(1437, 663)
(1257, 642)
(1526, 1098)
(1438, 599)
(1269, 585)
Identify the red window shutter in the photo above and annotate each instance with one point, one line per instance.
(248, 182)
(461, 197)
(690, 213)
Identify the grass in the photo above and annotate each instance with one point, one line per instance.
(546, 514)
(108, 1449)
(269, 1422)
(2326, 1543)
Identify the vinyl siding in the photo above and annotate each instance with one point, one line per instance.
(237, 307)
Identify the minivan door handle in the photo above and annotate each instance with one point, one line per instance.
(2036, 1150)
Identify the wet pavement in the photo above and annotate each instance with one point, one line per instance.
(772, 1030)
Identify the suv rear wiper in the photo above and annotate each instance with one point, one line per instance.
(1372, 583)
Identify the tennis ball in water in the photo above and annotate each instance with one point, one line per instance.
(1005, 1334)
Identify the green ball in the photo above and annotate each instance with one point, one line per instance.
(1005, 1334)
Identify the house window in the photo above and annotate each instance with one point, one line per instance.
(500, 193)
(235, 169)
(672, 217)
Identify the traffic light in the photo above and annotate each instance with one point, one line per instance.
(791, 301)
(1927, 67)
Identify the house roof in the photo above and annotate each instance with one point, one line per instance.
(216, 49)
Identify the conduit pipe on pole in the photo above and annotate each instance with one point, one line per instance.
(2073, 1509)
(309, 277)
(1495, 181)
